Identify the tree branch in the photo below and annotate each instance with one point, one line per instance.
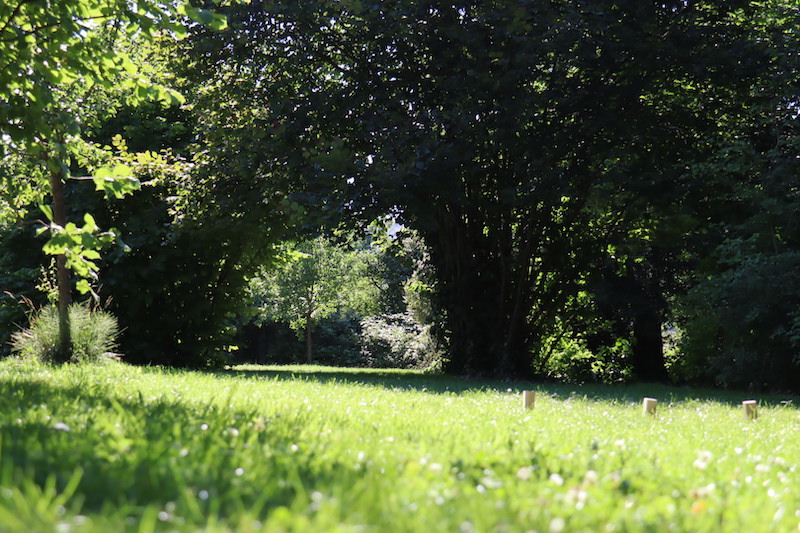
(37, 29)
(13, 14)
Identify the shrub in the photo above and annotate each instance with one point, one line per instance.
(94, 335)
(573, 362)
(398, 341)
(740, 326)
(337, 340)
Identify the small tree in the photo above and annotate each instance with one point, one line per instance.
(47, 47)
(317, 279)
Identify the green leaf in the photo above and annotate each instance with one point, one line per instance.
(53, 165)
(90, 242)
(203, 16)
(83, 286)
(208, 18)
(90, 225)
(218, 22)
(47, 210)
(58, 244)
(116, 181)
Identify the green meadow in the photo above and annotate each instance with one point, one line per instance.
(109, 447)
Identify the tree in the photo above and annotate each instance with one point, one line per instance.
(665, 230)
(318, 278)
(45, 48)
(497, 130)
(741, 317)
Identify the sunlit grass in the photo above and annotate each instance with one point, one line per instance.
(111, 447)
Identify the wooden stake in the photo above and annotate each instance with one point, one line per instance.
(649, 406)
(528, 399)
(750, 409)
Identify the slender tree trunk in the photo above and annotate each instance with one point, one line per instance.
(64, 350)
(309, 339)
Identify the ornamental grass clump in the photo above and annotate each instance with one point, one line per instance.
(94, 335)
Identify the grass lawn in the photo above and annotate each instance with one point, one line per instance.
(116, 448)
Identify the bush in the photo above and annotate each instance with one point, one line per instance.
(573, 362)
(336, 340)
(94, 335)
(740, 327)
(398, 341)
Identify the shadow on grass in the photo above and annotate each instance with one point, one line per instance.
(634, 393)
(387, 378)
(130, 452)
(444, 384)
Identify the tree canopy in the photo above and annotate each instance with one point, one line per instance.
(53, 54)
(317, 279)
(532, 144)
(593, 171)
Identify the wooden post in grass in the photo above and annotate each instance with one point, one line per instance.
(649, 406)
(750, 409)
(528, 399)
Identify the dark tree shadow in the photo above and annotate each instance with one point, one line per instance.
(145, 465)
(442, 384)
(389, 379)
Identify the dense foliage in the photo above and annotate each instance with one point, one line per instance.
(548, 153)
(55, 57)
(586, 178)
(350, 302)
(741, 322)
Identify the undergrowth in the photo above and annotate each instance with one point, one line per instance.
(93, 332)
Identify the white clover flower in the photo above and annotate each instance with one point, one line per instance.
(703, 460)
(702, 492)
(576, 496)
(557, 525)
(557, 479)
(525, 473)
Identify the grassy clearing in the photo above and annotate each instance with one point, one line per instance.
(114, 448)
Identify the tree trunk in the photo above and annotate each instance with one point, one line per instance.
(648, 347)
(309, 339)
(64, 349)
(485, 307)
